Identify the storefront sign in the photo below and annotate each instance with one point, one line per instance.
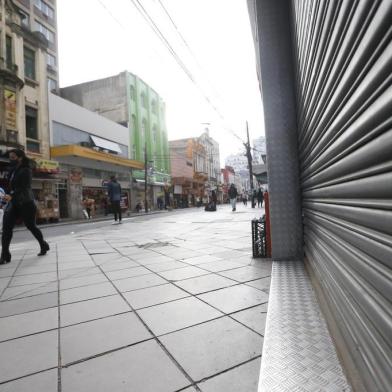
(46, 166)
(10, 109)
(75, 176)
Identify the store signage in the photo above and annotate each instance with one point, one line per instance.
(10, 109)
(46, 166)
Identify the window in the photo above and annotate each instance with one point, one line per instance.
(8, 44)
(49, 35)
(143, 100)
(133, 125)
(29, 63)
(44, 8)
(50, 60)
(134, 151)
(52, 84)
(154, 134)
(132, 92)
(154, 106)
(32, 129)
(25, 19)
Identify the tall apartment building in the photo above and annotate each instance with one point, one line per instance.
(129, 101)
(40, 16)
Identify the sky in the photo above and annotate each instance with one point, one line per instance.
(210, 39)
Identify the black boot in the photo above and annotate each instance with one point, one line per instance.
(44, 249)
(5, 257)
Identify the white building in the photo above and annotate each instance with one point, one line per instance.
(259, 150)
(212, 159)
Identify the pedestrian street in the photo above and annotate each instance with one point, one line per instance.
(166, 302)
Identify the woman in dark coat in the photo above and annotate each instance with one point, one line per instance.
(20, 204)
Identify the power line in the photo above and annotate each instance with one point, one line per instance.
(143, 12)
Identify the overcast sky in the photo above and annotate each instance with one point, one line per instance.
(100, 38)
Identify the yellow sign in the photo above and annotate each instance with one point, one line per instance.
(10, 109)
(44, 165)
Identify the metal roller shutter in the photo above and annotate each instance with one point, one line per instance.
(343, 61)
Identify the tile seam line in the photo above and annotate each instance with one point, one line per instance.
(179, 367)
(220, 311)
(12, 277)
(59, 374)
(28, 375)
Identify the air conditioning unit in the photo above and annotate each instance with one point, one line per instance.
(85, 144)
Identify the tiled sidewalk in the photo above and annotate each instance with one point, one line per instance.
(170, 303)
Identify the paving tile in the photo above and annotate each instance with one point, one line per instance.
(79, 272)
(28, 355)
(216, 266)
(243, 378)
(4, 282)
(154, 295)
(167, 266)
(261, 284)
(99, 336)
(12, 327)
(253, 318)
(6, 272)
(182, 273)
(143, 367)
(41, 382)
(72, 282)
(28, 304)
(207, 349)
(29, 290)
(151, 260)
(80, 264)
(92, 309)
(34, 278)
(118, 265)
(247, 273)
(139, 282)
(235, 298)
(205, 283)
(178, 314)
(201, 259)
(127, 273)
(86, 292)
(190, 389)
(37, 269)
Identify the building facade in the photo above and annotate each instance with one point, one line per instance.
(259, 151)
(90, 149)
(24, 105)
(129, 101)
(212, 160)
(188, 171)
(41, 16)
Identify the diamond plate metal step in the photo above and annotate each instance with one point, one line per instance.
(298, 352)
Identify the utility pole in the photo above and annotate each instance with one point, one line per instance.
(145, 178)
(248, 154)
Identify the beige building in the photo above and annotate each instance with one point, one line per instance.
(24, 71)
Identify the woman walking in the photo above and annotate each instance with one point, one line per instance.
(20, 204)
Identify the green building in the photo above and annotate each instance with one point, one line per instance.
(129, 101)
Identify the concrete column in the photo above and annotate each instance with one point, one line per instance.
(276, 73)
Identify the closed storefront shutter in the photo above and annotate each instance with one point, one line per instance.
(343, 61)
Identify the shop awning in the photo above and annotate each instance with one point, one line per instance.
(105, 144)
(88, 153)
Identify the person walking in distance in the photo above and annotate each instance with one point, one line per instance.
(233, 196)
(260, 198)
(114, 193)
(20, 204)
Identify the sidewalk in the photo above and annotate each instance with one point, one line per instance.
(173, 303)
(65, 222)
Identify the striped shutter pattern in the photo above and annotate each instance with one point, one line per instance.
(343, 62)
